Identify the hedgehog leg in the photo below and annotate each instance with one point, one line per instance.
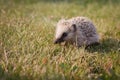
(80, 42)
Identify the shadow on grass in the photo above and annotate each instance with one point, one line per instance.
(106, 46)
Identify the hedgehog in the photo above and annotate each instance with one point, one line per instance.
(79, 31)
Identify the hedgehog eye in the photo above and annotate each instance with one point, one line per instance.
(64, 34)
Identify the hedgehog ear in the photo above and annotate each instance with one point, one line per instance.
(74, 28)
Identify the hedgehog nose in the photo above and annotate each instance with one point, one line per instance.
(55, 41)
(59, 40)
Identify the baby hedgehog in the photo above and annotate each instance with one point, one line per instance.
(78, 31)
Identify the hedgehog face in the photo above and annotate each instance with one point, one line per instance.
(64, 32)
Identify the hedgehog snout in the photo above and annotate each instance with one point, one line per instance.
(55, 41)
(59, 40)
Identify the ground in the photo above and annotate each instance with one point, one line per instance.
(27, 31)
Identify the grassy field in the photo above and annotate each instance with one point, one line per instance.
(27, 31)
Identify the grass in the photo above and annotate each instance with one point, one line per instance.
(27, 51)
